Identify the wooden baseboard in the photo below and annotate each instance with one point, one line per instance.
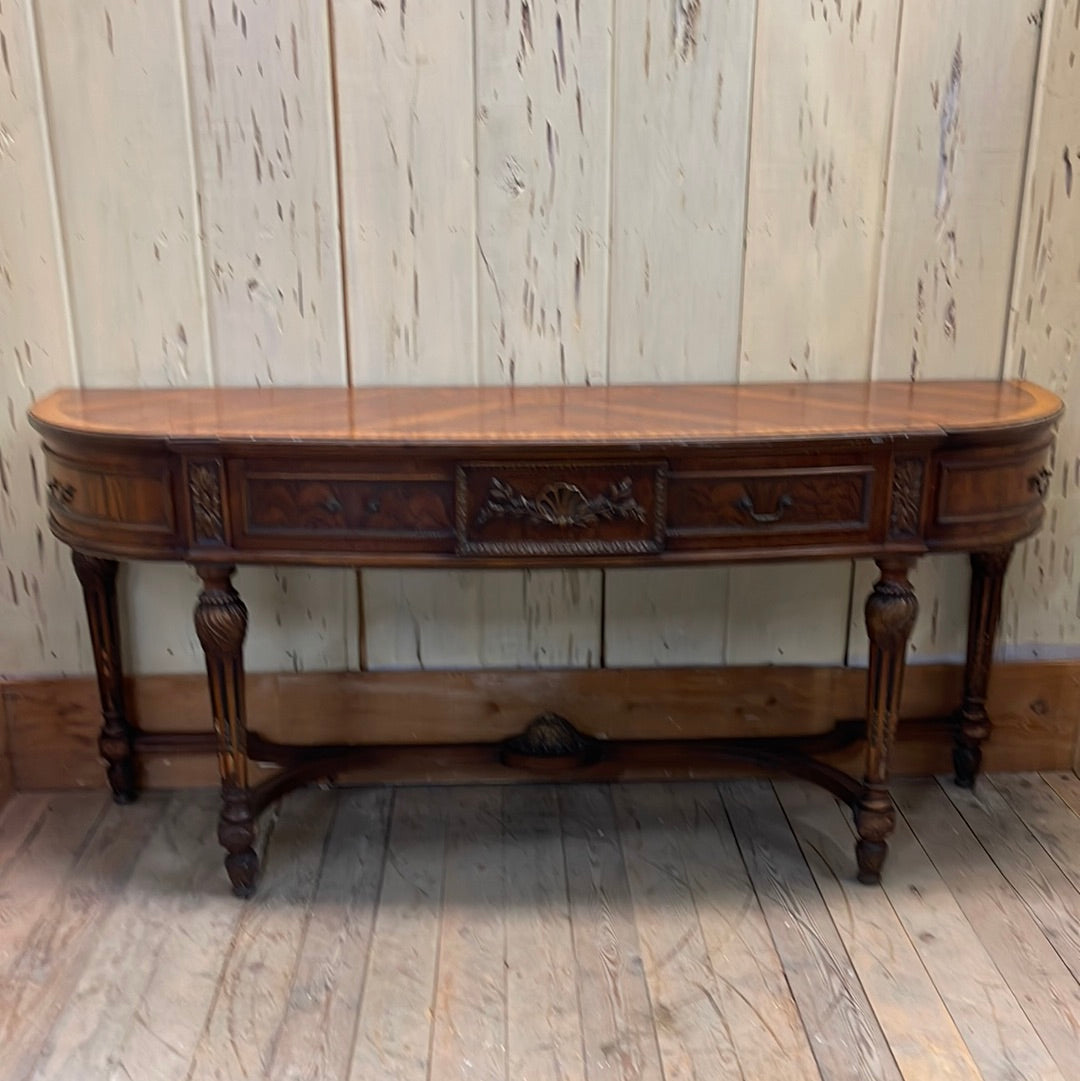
(51, 725)
(7, 781)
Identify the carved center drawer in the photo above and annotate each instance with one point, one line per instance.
(741, 502)
(280, 503)
(560, 508)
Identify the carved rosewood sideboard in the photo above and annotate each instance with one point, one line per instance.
(533, 477)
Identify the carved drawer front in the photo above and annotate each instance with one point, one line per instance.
(136, 499)
(298, 508)
(991, 487)
(780, 502)
(560, 508)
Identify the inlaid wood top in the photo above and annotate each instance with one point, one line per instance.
(681, 414)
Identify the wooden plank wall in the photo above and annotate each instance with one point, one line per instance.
(458, 191)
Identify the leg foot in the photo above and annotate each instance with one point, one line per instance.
(984, 612)
(890, 615)
(875, 820)
(870, 856)
(966, 761)
(221, 624)
(243, 871)
(236, 832)
(115, 740)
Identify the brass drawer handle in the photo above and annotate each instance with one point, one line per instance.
(746, 504)
(62, 493)
(1040, 482)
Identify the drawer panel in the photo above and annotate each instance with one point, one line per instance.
(300, 507)
(135, 499)
(824, 499)
(560, 508)
(989, 488)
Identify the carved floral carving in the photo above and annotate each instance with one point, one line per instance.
(907, 490)
(204, 483)
(560, 504)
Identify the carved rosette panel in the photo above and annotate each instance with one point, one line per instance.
(204, 488)
(907, 492)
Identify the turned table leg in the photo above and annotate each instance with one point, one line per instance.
(972, 722)
(891, 609)
(115, 741)
(221, 623)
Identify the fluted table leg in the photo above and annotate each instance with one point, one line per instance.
(891, 609)
(115, 743)
(221, 620)
(984, 613)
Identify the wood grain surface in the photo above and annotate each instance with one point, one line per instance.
(504, 417)
(538, 932)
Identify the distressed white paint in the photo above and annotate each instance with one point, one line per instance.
(406, 129)
(408, 195)
(118, 124)
(259, 76)
(543, 86)
(818, 160)
(117, 121)
(1042, 599)
(678, 199)
(300, 620)
(792, 613)
(420, 291)
(37, 590)
(668, 616)
(502, 619)
(960, 132)
(678, 191)
(963, 103)
(540, 192)
(262, 120)
(823, 92)
(543, 106)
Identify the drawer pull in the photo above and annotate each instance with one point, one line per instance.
(1040, 482)
(746, 504)
(331, 506)
(373, 506)
(62, 493)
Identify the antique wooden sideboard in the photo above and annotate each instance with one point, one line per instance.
(534, 477)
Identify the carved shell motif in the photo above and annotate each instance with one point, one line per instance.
(560, 504)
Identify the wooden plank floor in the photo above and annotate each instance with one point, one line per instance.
(684, 932)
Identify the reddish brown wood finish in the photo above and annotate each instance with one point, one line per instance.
(505, 417)
(550, 475)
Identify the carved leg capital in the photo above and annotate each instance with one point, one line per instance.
(116, 738)
(221, 621)
(972, 723)
(891, 610)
